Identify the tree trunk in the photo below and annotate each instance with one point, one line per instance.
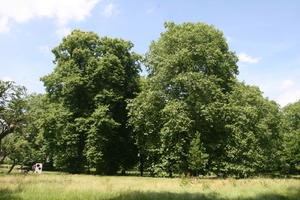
(123, 172)
(142, 166)
(12, 167)
(170, 174)
(4, 133)
(170, 169)
(3, 158)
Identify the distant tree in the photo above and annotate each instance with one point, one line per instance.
(91, 83)
(253, 129)
(12, 104)
(18, 150)
(291, 136)
(38, 125)
(49, 126)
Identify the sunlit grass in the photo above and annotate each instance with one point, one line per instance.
(51, 186)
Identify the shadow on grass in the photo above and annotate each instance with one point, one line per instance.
(6, 194)
(294, 194)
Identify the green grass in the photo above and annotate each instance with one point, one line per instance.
(60, 186)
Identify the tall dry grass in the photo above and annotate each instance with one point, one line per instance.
(64, 187)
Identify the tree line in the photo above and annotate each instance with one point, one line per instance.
(189, 115)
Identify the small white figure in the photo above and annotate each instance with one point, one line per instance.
(37, 168)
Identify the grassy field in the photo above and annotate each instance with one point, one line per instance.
(49, 186)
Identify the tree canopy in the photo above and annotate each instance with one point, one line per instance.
(193, 116)
(190, 115)
(291, 132)
(89, 86)
(12, 105)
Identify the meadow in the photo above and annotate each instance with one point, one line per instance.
(62, 186)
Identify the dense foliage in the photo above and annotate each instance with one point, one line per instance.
(291, 156)
(190, 115)
(12, 121)
(12, 104)
(88, 89)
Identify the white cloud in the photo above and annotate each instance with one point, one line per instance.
(289, 93)
(150, 11)
(243, 57)
(289, 96)
(63, 31)
(6, 78)
(228, 39)
(44, 49)
(283, 90)
(286, 84)
(4, 28)
(63, 11)
(110, 10)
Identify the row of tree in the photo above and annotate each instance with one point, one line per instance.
(190, 115)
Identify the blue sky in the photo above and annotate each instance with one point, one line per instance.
(264, 34)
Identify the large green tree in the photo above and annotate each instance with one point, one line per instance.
(90, 85)
(190, 70)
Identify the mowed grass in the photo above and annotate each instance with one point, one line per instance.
(50, 186)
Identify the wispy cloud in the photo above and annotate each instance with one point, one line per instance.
(228, 39)
(289, 96)
(44, 49)
(62, 32)
(243, 57)
(150, 11)
(63, 11)
(287, 84)
(7, 78)
(4, 28)
(288, 92)
(110, 10)
(283, 91)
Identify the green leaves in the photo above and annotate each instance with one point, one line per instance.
(291, 125)
(92, 81)
(253, 126)
(12, 107)
(101, 128)
(197, 156)
(191, 69)
(191, 89)
(192, 47)
(190, 115)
